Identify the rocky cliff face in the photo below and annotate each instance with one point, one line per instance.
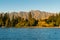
(35, 14)
(41, 14)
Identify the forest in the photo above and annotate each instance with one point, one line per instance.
(52, 21)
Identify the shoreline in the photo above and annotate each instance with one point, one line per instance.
(39, 27)
(30, 27)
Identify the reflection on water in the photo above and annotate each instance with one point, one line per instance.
(29, 34)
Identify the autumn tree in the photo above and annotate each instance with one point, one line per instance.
(1, 22)
(32, 21)
(5, 17)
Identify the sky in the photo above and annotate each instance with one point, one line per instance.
(27, 5)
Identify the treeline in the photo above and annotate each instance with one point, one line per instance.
(52, 21)
(17, 22)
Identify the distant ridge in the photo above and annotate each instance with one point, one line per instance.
(35, 14)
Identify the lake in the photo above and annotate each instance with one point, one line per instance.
(29, 34)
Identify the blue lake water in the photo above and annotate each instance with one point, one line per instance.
(29, 34)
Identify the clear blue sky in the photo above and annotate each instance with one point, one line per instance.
(27, 5)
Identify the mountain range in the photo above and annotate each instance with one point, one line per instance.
(35, 14)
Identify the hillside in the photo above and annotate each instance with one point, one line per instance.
(31, 18)
(35, 14)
